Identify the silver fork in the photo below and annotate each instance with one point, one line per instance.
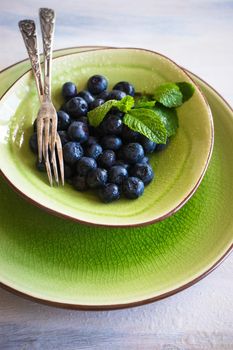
(48, 138)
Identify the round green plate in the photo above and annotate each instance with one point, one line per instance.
(179, 169)
(68, 264)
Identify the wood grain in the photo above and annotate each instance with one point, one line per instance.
(196, 34)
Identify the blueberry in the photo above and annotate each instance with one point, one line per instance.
(144, 160)
(160, 147)
(116, 95)
(94, 151)
(117, 174)
(115, 111)
(103, 95)
(133, 153)
(112, 124)
(33, 143)
(109, 193)
(143, 171)
(107, 159)
(97, 84)
(97, 178)
(69, 90)
(68, 171)
(79, 183)
(96, 103)
(148, 145)
(111, 142)
(84, 165)
(122, 163)
(87, 96)
(63, 120)
(92, 140)
(63, 136)
(125, 87)
(78, 131)
(72, 152)
(129, 135)
(76, 107)
(40, 166)
(133, 187)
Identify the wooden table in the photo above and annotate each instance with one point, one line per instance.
(198, 35)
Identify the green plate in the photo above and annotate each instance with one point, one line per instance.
(178, 170)
(71, 265)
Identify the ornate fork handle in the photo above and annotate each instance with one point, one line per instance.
(28, 31)
(47, 21)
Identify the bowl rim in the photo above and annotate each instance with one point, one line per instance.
(141, 224)
(142, 302)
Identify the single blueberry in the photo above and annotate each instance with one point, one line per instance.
(144, 160)
(116, 95)
(40, 166)
(161, 146)
(112, 124)
(92, 140)
(129, 135)
(93, 151)
(63, 136)
(69, 90)
(133, 153)
(84, 165)
(107, 159)
(103, 95)
(87, 96)
(148, 145)
(96, 178)
(76, 107)
(78, 131)
(111, 142)
(143, 171)
(133, 187)
(33, 143)
(68, 171)
(109, 193)
(79, 183)
(126, 87)
(97, 84)
(63, 120)
(72, 152)
(96, 103)
(117, 174)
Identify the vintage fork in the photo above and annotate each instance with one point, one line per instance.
(47, 113)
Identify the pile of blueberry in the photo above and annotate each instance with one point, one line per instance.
(110, 158)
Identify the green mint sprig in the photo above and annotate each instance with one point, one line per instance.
(154, 116)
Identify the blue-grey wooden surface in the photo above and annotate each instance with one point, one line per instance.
(198, 35)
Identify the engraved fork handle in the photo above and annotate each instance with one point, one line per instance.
(47, 22)
(28, 31)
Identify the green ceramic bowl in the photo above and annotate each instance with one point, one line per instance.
(66, 264)
(179, 169)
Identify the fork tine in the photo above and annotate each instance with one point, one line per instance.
(53, 134)
(47, 165)
(40, 137)
(46, 137)
(54, 162)
(60, 157)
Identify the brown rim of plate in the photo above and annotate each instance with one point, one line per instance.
(137, 303)
(163, 217)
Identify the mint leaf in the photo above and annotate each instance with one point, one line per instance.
(125, 104)
(169, 118)
(186, 89)
(169, 95)
(96, 116)
(141, 103)
(147, 123)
